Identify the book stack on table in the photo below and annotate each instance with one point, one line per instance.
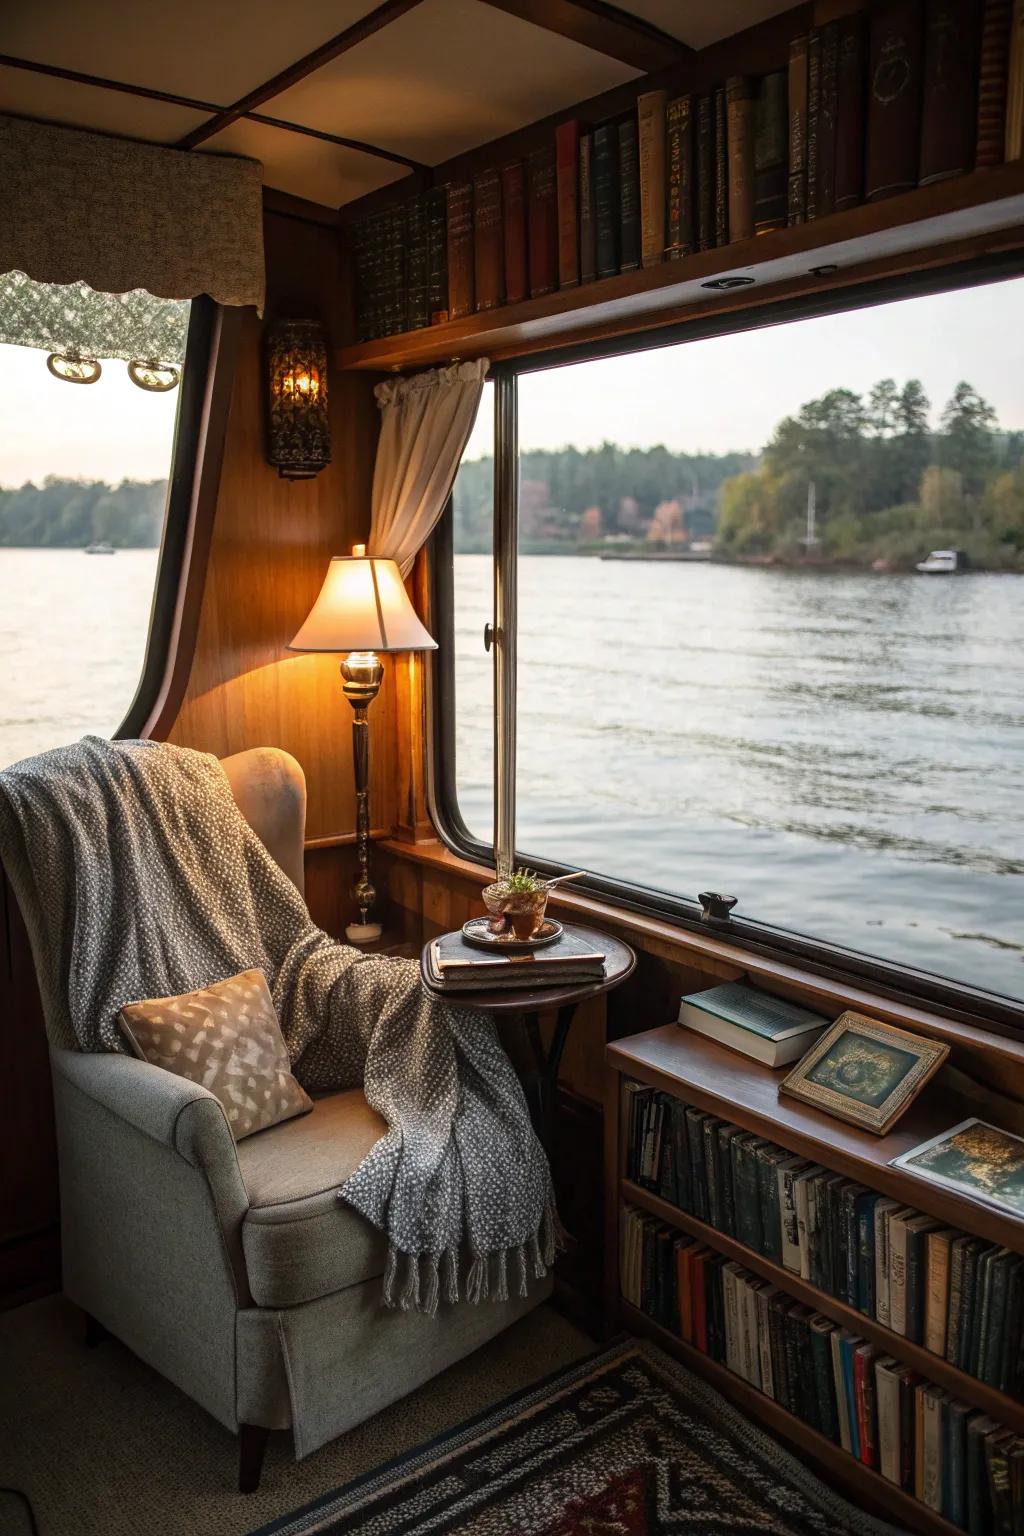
(454, 965)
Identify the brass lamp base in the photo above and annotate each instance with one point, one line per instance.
(362, 673)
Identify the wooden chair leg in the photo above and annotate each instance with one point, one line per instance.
(95, 1333)
(252, 1442)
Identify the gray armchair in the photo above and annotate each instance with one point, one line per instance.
(233, 1269)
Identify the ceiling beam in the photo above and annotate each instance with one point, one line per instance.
(604, 28)
(148, 93)
(365, 28)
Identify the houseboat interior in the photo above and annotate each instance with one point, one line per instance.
(511, 959)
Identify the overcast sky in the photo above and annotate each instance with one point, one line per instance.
(712, 395)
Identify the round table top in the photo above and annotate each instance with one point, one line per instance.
(619, 961)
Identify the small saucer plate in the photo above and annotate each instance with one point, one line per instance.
(478, 931)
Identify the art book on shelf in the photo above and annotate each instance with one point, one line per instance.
(454, 964)
(769, 1029)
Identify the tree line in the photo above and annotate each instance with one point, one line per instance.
(887, 487)
(68, 514)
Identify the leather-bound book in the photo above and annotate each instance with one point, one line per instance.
(990, 145)
(828, 101)
(416, 259)
(461, 299)
(513, 209)
(721, 167)
(606, 198)
(680, 228)
(650, 112)
(948, 108)
(850, 94)
(813, 111)
(488, 241)
(1014, 146)
(629, 194)
(705, 174)
(796, 205)
(588, 226)
(739, 93)
(770, 165)
(567, 180)
(542, 221)
(895, 69)
(437, 254)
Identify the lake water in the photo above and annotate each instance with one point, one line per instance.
(844, 753)
(841, 752)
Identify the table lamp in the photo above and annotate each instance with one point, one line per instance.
(363, 608)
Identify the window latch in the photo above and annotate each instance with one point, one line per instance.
(490, 636)
(715, 908)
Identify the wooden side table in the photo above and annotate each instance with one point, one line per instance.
(522, 1006)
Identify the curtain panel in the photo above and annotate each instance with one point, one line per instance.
(426, 421)
(119, 215)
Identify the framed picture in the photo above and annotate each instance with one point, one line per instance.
(975, 1159)
(864, 1071)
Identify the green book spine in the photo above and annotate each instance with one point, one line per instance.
(972, 1260)
(983, 1311)
(726, 1136)
(681, 1156)
(824, 1381)
(768, 1200)
(957, 1254)
(712, 1165)
(698, 1178)
(915, 1285)
(990, 1361)
(865, 1209)
(748, 1212)
(1008, 1380)
(777, 1341)
(629, 195)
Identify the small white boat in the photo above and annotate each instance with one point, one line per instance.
(100, 547)
(943, 562)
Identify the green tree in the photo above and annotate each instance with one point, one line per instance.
(966, 443)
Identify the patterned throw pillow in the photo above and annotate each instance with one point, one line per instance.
(226, 1037)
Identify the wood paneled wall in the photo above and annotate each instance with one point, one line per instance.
(272, 540)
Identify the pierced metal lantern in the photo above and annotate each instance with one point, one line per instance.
(298, 427)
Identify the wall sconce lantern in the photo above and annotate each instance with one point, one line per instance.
(298, 428)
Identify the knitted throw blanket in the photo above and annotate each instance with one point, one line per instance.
(139, 877)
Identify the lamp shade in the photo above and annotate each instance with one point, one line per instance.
(363, 606)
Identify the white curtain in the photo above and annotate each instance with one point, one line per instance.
(426, 421)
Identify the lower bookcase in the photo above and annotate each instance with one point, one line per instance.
(649, 1286)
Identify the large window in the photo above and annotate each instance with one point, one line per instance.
(732, 672)
(83, 486)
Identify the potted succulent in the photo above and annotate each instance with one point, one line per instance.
(517, 903)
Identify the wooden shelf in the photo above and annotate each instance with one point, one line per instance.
(742, 1091)
(1005, 1410)
(860, 1482)
(968, 216)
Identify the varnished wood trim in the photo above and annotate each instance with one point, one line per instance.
(863, 1485)
(1006, 1410)
(604, 28)
(364, 28)
(209, 459)
(346, 839)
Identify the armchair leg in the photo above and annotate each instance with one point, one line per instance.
(252, 1442)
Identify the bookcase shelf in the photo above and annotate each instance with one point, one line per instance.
(968, 216)
(861, 1482)
(998, 1405)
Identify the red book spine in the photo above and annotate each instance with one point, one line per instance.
(894, 95)
(488, 241)
(542, 223)
(513, 198)
(948, 109)
(460, 250)
(863, 1365)
(567, 155)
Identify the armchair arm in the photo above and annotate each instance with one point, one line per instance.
(171, 1110)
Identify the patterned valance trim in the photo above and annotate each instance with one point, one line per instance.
(74, 319)
(118, 215)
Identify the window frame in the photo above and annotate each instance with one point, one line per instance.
(905, 984)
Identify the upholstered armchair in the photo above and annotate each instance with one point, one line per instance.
(232, 1268)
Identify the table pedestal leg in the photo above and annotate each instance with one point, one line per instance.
(541, 1085)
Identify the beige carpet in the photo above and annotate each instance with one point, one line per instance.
(105, 1447)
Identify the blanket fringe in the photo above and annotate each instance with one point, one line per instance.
(429, 1275)
(451, 1275)
(523, 1285)
(501, 1286)
(409, 1301)
(432, 1291)
(390, 1271)
(475, 1278)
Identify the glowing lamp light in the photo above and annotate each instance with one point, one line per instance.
(298, 425)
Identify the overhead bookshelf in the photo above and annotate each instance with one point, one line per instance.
(963, 218)
(731, 1088)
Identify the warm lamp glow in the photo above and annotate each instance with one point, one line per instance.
(362, 606)
(298, 423)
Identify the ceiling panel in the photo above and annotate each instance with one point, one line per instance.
(312, 168)
(212, 50)
(449, 75)
(87, 106)
(699, 24)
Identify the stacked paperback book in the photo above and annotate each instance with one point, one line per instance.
(454, 965)
(956, 1295)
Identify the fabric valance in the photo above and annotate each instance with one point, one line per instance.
(74, 318)
(119, 215)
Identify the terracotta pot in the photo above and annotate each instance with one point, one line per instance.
(522, 912)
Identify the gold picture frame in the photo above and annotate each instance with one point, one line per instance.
(864, 1072)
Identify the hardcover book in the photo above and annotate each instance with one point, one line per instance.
(680, 235)
(883, 1210)
(887, 1400)
(828, 100)
(437, 254)
(705, 174)
(770, 144)
(990, 137)
(651, 106)
(813, 114)
(629, 195)
(456, 963)
(606, 198)
(767, 1028)
(588, 226)
(722, 233)
(567, 174)
(513, 199)
(417, 258)
(488, 241)
(948, 107)
(739, 96)
(850, 102)
(789, 1226)
(894, 96)
(461, 299)
(936, 1288)
(796, 205)
(542, 221)
(1014, 142)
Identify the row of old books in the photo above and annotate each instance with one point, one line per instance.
(955, 1459)
(958, 1296)
(906, 94)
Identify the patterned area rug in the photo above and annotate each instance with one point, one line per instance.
(627, 1443)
